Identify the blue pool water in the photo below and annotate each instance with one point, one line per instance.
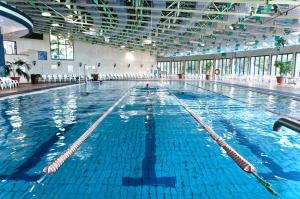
(149, 146)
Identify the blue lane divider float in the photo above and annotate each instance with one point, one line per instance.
(149, 176)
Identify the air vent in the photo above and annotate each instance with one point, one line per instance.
(38, 36)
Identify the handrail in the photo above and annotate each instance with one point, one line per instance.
(287, 123)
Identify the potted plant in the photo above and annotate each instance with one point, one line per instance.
(208, 70)
(17, 68)
(95, 77)
(35, 78)
(180, 75)
(284, 68)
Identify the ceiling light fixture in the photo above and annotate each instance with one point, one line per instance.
(295, 33)
(70, 20)
(147, 41)
(46, 14)
(250, 43)
(89, 32)
(55, 25)
(106, 39)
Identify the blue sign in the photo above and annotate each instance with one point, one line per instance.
(42, 55)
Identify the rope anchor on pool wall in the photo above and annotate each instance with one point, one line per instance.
(240, 160)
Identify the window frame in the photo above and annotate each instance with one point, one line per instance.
(15, 42)
(65, 45)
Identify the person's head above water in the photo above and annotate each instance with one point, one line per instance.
(147, 85)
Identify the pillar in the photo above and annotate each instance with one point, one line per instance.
(2, 57)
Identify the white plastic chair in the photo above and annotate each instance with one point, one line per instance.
(49, 78)
(15, 83)
(2, 84)
(7, 83)
(59, 78)
(43, 78)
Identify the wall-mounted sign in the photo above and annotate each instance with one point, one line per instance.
(42, 55)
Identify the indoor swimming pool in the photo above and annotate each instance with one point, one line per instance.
(149, 146)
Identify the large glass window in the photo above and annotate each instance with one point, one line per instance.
(266, 66)
(282, 57)
(201, 67)
(261, 65)
(174, 65)
(193, 67)
(10, 47)
(61, 48)
(297, 65)
(252, 69)
(181, 66)
(251, 66)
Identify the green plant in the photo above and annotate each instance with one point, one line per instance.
(20, 65)
(208, 67)
(284, 67)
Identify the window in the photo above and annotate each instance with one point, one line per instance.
(197, 67)
(283, 57)
(10, 47)
(252, 70)
(61, 48)
(266, 66)
(297, 69)
(261, 65)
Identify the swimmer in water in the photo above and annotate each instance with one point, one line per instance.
(147, 86)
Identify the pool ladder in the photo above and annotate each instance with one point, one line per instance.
(295, 126)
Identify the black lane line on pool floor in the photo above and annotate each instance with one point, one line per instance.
(253, 171)
(148, 164)
(276, 169)
(21, 171)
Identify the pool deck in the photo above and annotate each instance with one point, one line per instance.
(26, 88)
(266, 87)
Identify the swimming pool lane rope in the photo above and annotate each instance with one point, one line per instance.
(58, 162)
(239, 159)
(268, 110)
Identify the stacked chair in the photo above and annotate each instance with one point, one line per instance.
(6, 82)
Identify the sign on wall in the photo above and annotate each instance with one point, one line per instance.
(70, 68)
(42, 55)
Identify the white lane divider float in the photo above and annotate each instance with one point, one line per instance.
(239, 159)
(56, 164)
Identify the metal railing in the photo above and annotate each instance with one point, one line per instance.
(295, 126)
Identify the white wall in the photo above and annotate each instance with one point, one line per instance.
(89, 54)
